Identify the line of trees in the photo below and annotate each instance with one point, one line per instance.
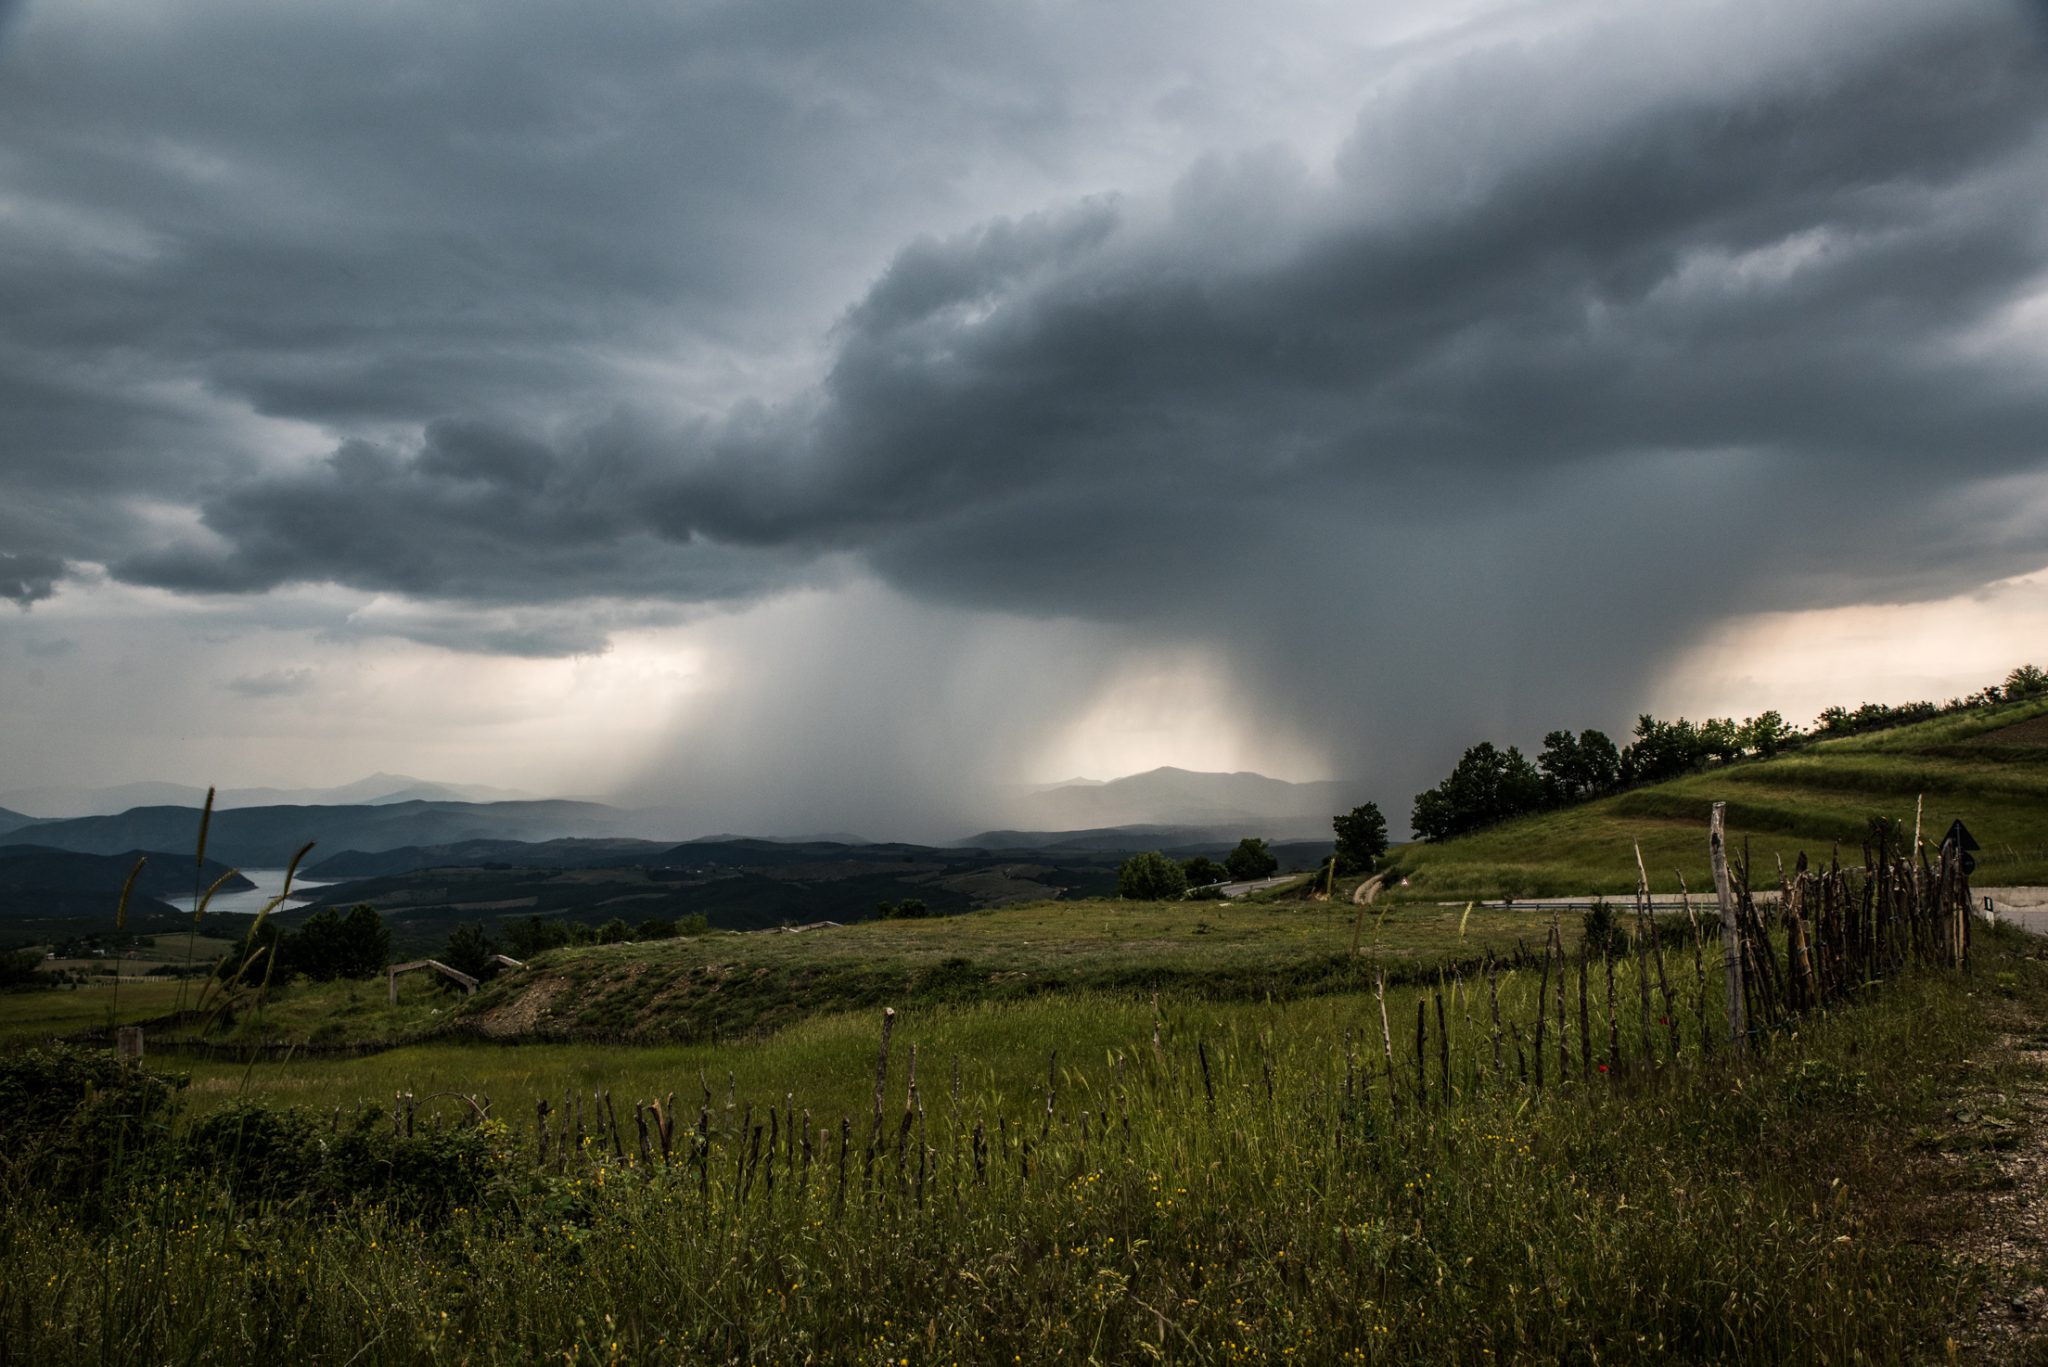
(1491, 785)
(1157, 877)
(328, 946)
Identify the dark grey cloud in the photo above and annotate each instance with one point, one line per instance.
(26, 577)
(1602, 323)
(1771, 275)
(272, 683)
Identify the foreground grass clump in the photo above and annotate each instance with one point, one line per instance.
(1261, 1184)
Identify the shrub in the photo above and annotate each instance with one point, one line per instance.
(19, 968)
(1603, 936)
(288, 1154)
(69, 1116)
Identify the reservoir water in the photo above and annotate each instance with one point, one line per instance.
(267, 881)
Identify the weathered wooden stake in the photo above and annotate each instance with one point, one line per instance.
(1731, 933)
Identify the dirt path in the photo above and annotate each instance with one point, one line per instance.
(1997, 1151)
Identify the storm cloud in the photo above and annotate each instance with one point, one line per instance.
(1595, 325)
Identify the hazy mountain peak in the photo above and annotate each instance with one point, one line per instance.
(1169, 796)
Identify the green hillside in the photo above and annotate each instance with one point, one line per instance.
(1989, 768)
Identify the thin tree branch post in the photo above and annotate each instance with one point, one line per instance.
(1731, 932)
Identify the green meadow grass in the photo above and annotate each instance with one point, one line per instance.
(722, 986)
(1250, 1190)
(47, 1012)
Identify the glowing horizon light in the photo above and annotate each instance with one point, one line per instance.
(1799, 663)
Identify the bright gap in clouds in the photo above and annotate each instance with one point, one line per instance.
(1799, 663)
(1172, 708)
(856, 708)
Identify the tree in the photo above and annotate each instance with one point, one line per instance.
(1661, 750)
(2028, 681)
(1250, 861)
(330, 945)
(1766, 734)
(909, 909)
(531, 935)
(614, 932)
(1721, 739)
(1150, 877)
(1201, 871)
(1579, 767)
(1488, 786)
(253, 953)
(1361, 838)
(655, 928)
(469, 950)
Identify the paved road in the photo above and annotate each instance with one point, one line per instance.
(1257, 885)
(2024, 906)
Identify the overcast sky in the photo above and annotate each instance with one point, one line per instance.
(808, 410)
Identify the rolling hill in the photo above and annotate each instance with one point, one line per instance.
(1987, 768)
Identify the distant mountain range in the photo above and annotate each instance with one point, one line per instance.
(376, 790)
(267, 837)
(1210, 804)
(1166, 808)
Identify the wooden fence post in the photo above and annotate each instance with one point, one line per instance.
(1731, 933)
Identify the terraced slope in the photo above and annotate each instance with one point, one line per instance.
(1989, 769)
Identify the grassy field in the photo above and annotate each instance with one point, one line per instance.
(1262, 1184)
(1808, 800)
(1261, 1162)
(734, 985)
(49, 1012)
(174, 952)
(737, 984)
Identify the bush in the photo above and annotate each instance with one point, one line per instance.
(19, 968)
(909, 909)
(1603, 936)
(69, 1117)
(288, 1154)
